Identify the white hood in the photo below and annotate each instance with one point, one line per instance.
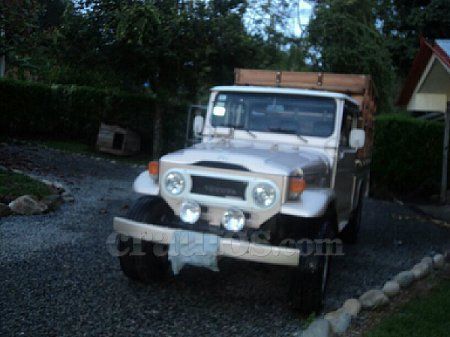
(272, 159)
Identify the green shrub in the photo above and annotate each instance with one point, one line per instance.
(407, 157)
(174, 127)
(35, 110)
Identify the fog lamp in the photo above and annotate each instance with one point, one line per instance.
(233, 219)
(190, 211)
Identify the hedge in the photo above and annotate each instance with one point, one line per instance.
(36, 110)
(407, 157)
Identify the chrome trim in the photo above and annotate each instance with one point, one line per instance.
(247, 204)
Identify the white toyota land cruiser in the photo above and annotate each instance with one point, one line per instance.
(275, 178)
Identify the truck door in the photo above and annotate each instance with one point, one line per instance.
(345, 180)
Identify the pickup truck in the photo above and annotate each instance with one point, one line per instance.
(278, 175)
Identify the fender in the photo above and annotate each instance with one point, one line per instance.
(144, 184)
(313, 203)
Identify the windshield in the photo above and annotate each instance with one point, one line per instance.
(279, 113)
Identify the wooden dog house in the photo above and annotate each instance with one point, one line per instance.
(117, 140)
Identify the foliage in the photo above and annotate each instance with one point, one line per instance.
(13, 185)
(422, 316)
(344, 39)
(407, 156)
(176, 48)
(69, 112)
(402, 22)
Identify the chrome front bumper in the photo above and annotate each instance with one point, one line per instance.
(228, 247)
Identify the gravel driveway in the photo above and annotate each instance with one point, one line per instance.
(58, 278)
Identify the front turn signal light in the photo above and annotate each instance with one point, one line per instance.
(296, 187)
(153, 168)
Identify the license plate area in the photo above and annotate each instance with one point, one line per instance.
(193, 248)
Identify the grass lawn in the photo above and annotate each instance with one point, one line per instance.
(13, 185)
(67, 146)
(421, 317)
(76, 147)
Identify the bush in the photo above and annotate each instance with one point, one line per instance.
(70, 112)
(407, 158)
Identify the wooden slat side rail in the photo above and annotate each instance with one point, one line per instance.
(343, 83)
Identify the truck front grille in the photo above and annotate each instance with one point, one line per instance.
(218, 187)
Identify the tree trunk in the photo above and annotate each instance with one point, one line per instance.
(157, 132)
(2, 66)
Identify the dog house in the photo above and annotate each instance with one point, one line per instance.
(117, 140)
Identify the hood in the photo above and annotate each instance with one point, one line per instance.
(272, 159)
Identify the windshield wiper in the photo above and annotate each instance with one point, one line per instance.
(238, 127)
(290, 132)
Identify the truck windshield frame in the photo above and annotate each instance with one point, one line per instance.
(302, 115)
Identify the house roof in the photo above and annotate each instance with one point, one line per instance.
(440, 48)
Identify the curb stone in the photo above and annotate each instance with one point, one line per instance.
(352, 306)
(391, 288)
(404, 278)
(338, 321)
(420, 270)
(27, 205)
(318, 328)
(438, 261)
(428, 261)
(373, 299)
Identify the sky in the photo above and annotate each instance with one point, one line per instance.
(300, 19)
(298, 14)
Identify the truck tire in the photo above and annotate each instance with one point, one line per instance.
(142, 260)
(309, 279)
(350, 233)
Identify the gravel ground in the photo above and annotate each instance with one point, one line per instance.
(59, 279)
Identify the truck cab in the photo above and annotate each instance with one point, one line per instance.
(276, 177)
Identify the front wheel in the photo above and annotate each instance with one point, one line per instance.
(310, 277)
(142, 260)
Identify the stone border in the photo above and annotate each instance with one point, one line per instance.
(30, 205)
(337, 322)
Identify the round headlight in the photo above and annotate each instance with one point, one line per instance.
(233, 220)
(175, 183)
(264, 195)
(190, 211)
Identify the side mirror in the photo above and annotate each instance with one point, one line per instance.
(357, 138)
(197, 126)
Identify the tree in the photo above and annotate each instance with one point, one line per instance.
(343, 38)
(18, 27)
(403, 22)
(177, 47)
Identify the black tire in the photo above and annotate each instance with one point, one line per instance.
(142, 260)
(350, 233)
(310, 278)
